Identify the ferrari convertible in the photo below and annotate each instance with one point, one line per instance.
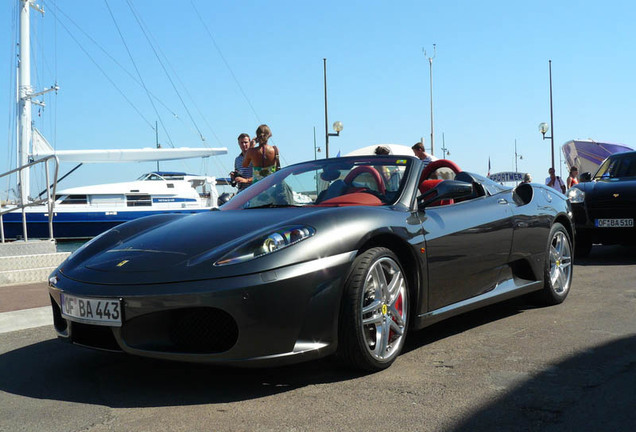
(339, 256)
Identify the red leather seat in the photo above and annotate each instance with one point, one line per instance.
(427, 185)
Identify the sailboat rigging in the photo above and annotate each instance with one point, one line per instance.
(86, 211)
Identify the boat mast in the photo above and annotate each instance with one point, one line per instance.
(25, 97)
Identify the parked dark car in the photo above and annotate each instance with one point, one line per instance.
(343, 255)
(604, 205)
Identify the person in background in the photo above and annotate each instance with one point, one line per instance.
(264, 158)
(242, 176)
(382, 150)
(554, 181)
(527, 178)
(573, 178)
(391, 177)
(420, 152)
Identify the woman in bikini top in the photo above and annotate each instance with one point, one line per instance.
(264, 158)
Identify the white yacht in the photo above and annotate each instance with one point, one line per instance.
(86, 211)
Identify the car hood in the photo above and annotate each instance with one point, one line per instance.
(609, 191)
(175, 249)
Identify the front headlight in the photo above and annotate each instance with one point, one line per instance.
(576, 196)
(266, 244)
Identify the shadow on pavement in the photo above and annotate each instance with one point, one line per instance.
(59, 371)
(608, 255)
(466, 321)
(594, 390)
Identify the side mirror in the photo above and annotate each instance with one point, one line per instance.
(585, 177)
(447, 189)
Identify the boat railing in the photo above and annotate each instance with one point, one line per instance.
(49, 200)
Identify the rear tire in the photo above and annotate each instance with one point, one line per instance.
(558, 267)
(374, 315)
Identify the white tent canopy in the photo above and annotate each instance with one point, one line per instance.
(396, 149)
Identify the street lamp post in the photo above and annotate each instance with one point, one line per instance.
(430, 65)
(444, 149)
(337, 126)
(544, 127)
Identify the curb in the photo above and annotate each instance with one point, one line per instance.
(25, 319)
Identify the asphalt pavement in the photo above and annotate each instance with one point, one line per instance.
(511, 367)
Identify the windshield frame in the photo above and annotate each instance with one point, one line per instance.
(239, 201)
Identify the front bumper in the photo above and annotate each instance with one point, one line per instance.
(280, 316)
(585, 216)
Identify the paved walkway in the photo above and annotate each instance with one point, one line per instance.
(24, 306)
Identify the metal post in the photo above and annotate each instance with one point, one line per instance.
(430, 61)
(157, 141)
(516, 169)
(444, 149)
(49, 204)
(324, 61)
(551, 114)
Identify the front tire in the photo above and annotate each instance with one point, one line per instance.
(374, 315)
(558, 266)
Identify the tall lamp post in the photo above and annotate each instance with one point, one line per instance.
(430, 66)
(544, 127)
(337, 126)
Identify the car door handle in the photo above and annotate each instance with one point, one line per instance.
(502, 201)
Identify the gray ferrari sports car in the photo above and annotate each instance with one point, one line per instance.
(338, 256)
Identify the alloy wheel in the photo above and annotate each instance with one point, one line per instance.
(384, 309)
(560, 263)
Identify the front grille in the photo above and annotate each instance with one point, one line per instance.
(197, 330)
(93, 336)
(624, 203)
(612, 212)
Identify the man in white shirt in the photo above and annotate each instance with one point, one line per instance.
(555, 181)
(420, 152)
(242, 176)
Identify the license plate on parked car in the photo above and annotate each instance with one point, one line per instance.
(99, 311)
(614, 223)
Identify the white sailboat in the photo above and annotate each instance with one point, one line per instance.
(85, 212)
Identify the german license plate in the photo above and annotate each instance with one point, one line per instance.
(614, 223)
(99, 311)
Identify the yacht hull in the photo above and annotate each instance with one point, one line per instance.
(77, 224)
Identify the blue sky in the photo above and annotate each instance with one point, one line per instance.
(265, 65)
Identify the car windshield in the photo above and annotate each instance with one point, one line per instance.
(619, 167)
(367, 180)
